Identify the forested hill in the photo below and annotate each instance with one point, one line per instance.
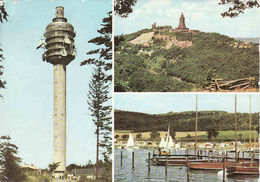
(182, 121)
(162, 60)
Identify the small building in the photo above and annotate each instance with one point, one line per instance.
(154, 26)
(31, 168)
(90, 173)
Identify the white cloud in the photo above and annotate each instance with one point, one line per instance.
(204, 15)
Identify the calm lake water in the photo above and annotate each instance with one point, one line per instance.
(175, 173)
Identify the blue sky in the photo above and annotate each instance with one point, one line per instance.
(203, 15)
(27, 107)
(166, 102)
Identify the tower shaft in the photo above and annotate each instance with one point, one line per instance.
(59, 115)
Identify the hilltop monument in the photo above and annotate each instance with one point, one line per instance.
(182, 27)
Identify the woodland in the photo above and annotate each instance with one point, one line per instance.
(153, 68)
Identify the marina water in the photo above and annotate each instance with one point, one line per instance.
(140, 173)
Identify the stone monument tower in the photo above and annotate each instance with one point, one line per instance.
(182, 26)
(182, 22)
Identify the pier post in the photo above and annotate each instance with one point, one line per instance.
(188, 169)
(133, 160)
(227, 155)
(238, 154)
(149, 158)
(121, 157)
(224, 170)
(243, 158)
(252, 160)
(166, 163)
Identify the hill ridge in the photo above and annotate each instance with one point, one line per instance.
(185, 67)
(182, 121)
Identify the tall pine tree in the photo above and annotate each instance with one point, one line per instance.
(9, 162)
(104, 41)
(99, 88)
(101, 112)
(3, 15)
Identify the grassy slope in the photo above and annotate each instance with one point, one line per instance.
(201, 135)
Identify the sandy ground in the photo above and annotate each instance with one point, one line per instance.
(146, 37)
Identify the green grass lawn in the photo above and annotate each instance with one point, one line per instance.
(228, 136)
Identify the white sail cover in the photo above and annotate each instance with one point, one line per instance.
(177, 145)
(170, 143)
(130, 142)
(162, 144)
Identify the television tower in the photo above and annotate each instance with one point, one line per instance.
(59, 50)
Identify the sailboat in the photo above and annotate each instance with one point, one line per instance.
(170, 144)
(177, 159)
(166, 146)
(166, 149)
(162, 143)
(130, 144)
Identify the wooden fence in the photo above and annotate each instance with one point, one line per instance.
(220, 85)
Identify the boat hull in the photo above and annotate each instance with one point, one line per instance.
(209, 165)
(174, 161)
(245, 169)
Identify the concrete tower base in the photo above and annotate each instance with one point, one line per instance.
(59, 119)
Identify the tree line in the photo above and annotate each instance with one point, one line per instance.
(183, 121)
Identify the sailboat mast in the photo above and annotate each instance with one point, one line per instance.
(195, 146)
(236, 127)
(254, 143)
(250, 124)
(168, 135)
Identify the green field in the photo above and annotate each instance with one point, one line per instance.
(226, 136)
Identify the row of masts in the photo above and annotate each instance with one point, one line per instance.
(196, 126)
(233, 164)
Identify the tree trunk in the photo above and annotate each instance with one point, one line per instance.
(97, 152)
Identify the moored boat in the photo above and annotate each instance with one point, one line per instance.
(130, 146)
(175, 161)
(209, 165)
(243, 169)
